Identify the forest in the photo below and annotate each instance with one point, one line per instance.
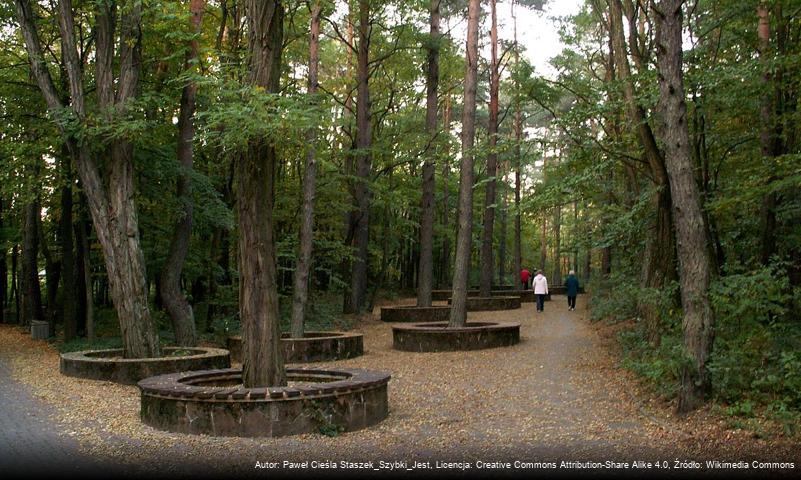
(172, 172)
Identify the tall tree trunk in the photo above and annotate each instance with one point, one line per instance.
(119, 234)
(15, 283)
(518, 226)
(588, 233)
(576, 231)
(364, 159)
(183, 318)
(426, 271)
(518, 128)
(557, 248)
(31, 290)
(301, 280)
(262, 358)
(85, 245)
(543, 243)
(544, 229)
(461, 270)
(348, 161)
(691, 238)
(767, 138)
(52, 277)
(487, 265)
(79, 274)
(445, 258)
(68, 283)
(504, 230)
(3, 268)
(659, 265)
(111, 199)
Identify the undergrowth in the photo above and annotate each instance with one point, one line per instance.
(755, 363)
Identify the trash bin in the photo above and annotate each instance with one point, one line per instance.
(40, 330)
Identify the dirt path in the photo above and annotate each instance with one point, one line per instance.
(558, 395)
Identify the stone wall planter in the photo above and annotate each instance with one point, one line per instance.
(561, 290)
(441, 295)
(525, 295)
(213, 402)
(484, 304)
(110, 366)
(313, 347)
(415, 314)
(436, 337)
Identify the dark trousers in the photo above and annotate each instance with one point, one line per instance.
(525, 284)
(571, 301)
(540, 302)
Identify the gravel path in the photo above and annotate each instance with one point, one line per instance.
(558, 395)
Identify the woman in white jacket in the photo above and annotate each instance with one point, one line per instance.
(540, 284)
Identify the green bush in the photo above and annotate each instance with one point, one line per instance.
(614, 304)
(756, 358)
(659, 365)
(755, 363)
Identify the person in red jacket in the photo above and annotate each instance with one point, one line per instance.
(525, 276)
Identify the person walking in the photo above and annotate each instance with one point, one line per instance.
(540, 284)
(571, 287)
(525, 276)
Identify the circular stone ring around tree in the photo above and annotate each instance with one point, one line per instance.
(110, 365)
(214, 402)
(412, 313)
(437, 337)
(485, 304)
(320, 346)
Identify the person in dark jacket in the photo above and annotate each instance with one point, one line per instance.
(571, 287)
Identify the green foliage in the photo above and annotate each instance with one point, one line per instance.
(755, 359)
(101, 343)
(616, 304)
(756, 353)
(660, 366)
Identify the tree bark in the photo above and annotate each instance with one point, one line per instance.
(659, 257)
(301, 280)
(487, 265)
(83, 283)
(691, 236)
(426, 269)
(3, 268)
(588, 257)
(68, 283)
(518, 129)
(52, 276)
(767, 138)
(31, 290)
(364, 159)
(461, 271)
(576, 232)
(543, 243)
(119, 232)
(445, 258)
(504, 230)
(183, 318)
(90, 299)
(111, 199)
(557, 241)
(15, 283)
(262, 358)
